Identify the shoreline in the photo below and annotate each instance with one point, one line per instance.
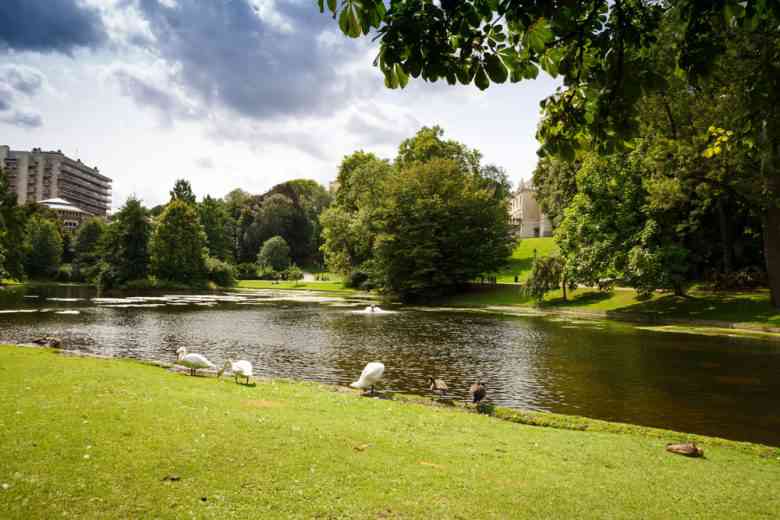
(514, 415)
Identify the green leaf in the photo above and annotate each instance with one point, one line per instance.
(331, 6)
(348, 22)
(465, 74)
(403, 77)
(538, 35)
(495, 69)
(480, 79)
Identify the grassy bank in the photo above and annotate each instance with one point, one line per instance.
(334, 287)
(93, 438)
(523, 257)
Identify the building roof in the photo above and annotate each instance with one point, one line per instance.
(61, 204)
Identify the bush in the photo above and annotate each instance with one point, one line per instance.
(546, 276)
(275, 254)
(293, 273)
(745, 279)
(64, 273)
(356, 279)
(221, 273)
(246, 271)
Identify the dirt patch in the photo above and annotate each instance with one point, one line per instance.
(260, 403)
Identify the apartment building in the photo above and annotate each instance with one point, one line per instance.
(40, 175)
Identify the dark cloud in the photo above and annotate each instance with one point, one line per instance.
(49, 25)
(260, 62)
(22, 118)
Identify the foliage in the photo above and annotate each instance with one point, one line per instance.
(441, 227)
(87, 248)
(216, 223)
(125, 246)
(220, 272)
(42, 247)
(293, 273)
(12, 226)
(546, 276)
(178, 245)
(275, 254)
(246, 271)
(182, 190)
(556, 184)
(427, 144)
(65, 274)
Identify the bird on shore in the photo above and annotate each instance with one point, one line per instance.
(371, 374)
(477, 392)
(437, 386)
(241, 368)
(192, 361)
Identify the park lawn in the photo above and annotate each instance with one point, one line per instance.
(96, 438)
(329, 286)
(523, 257)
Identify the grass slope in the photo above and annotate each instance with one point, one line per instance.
(92, 438)
(334, 286)
(523, 256)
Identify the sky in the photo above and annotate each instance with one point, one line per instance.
(227, 94)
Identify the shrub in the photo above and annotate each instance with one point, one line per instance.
(221, 273)
(275, 254)
(64, 273)
(546, 275)
(293, 273)
(356, 279)
(246, 271)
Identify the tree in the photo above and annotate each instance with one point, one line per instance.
(427, 144)
(275, 254)
(42, 248)
(442, 226)
(12, 231)
(125, 245)
(182, 190)
(87, 246)
(215, 219)
(178, 245)
(556, 184)
(546, 275)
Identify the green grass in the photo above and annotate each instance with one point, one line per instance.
(329, 286)
(93, 438)
(523, 256)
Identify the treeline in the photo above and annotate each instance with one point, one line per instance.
(421, 225)
(688, 200)
(182, 243)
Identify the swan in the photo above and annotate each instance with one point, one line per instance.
(477, 392)
(239, 368)
(192, 361)
(370, 376)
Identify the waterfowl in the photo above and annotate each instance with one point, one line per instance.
(437, 386)
(238, 368)
(477, 392)
(371, 374)
(192, 361)
(689, 449)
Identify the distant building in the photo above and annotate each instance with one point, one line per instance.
(38, 176)
(525, 214)
(71, 216)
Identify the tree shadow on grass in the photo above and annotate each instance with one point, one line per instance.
(578, 300)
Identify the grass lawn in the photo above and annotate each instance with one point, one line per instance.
(523, 257)
(330, 286)
(94, 438)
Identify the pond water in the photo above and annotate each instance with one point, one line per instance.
(727, 387)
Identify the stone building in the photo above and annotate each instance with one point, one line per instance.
(525, 214)
(40, 175)
(71, 216)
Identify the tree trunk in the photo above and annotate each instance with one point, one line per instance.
(772, 252)
(564, 288)
(725, 238)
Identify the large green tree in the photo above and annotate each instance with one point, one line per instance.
(178, 245)
(126, 245)
(42, 247)
(12, 230)
(216, 221)
(87, 246)
(604, 52)
(275, 254)
(182, 190)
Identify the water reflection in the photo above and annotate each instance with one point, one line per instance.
(726, 387)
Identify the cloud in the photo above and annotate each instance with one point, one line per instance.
(22, 119)
(145, 92)
(22, 78)
(207, 163)
(371, 126)
(262, 61)
(49, 25)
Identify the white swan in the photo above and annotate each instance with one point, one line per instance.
(370, 376)
(239, 368)
(192, 361)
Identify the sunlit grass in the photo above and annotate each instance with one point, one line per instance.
(330, 286)
(90, 438)
(522, 258)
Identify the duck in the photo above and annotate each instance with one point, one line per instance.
(477, 392)
(437, 386)
(192, 361)
(371, 374)
(241, 367)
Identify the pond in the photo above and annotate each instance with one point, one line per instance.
(727, 387)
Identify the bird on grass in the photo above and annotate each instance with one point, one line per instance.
(241, 368)
(477, 392)
(370, 376)
(192, 361)
(437, 386)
